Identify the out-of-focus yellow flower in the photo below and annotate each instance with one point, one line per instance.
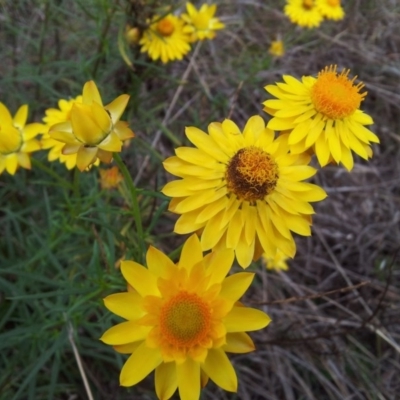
(165, 39)
(201, 24)
(304, 13)
(277, 48)
(330, 9)
(323, 114)
(277, 263)
(181, 320)
(132, 34)
(110, 178)
(93, 131)
(17, 139)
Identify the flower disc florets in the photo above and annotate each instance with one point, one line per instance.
(252, 174)
(335, 95)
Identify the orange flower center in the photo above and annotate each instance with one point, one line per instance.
(252, 174)
(335, 95)
(185, 320)
(334, 3)
(10, 140)
(165, 27)
(308, 4)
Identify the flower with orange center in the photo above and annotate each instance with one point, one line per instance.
(330, 9)
(241, 191)
(201, 24)
(93, 131)
(181, 320)
(165, 39)
(322, 113)
(304, 13)
(110, 178)
(17, 139)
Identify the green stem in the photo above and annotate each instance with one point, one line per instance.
(135, 205)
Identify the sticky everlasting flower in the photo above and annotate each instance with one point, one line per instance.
(93, 131)
(110, 178)
(303, 13)
(242, 191)
(277, 48)
(55, 116)
(277, 263)
(17, 139)
(181, 320)
(322, 113)
(202, 24)
(165, 39)
(330, 9)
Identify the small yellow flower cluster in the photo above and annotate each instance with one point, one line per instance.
(169, 37)
(80, 132)
(310, 13)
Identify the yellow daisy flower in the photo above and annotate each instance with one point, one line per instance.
(110, 178)
(277, 48)
(93, 131)
(322, 112)
(17, 139)
(330, 9)
(243, 191)
(304, 13)
(181, 320)
(165, 39)
(201, 24)
(276, 263)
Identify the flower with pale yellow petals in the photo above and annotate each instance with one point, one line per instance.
(165, 39)
(17, 139)
(201, 24)
(277, 48)
(304, 13)
(181, 320)
(93, 131)
(322, 114)
(330, 9)
(110, 178)
(242, 191)
(276, 263)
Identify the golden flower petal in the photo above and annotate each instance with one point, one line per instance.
(255, 319)
(140, 278)
(218, 367)
(188, 377)
(166, 380)
(21, 116)
(117, 107)
(147, 358)
(238, 342)
(91, 94)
